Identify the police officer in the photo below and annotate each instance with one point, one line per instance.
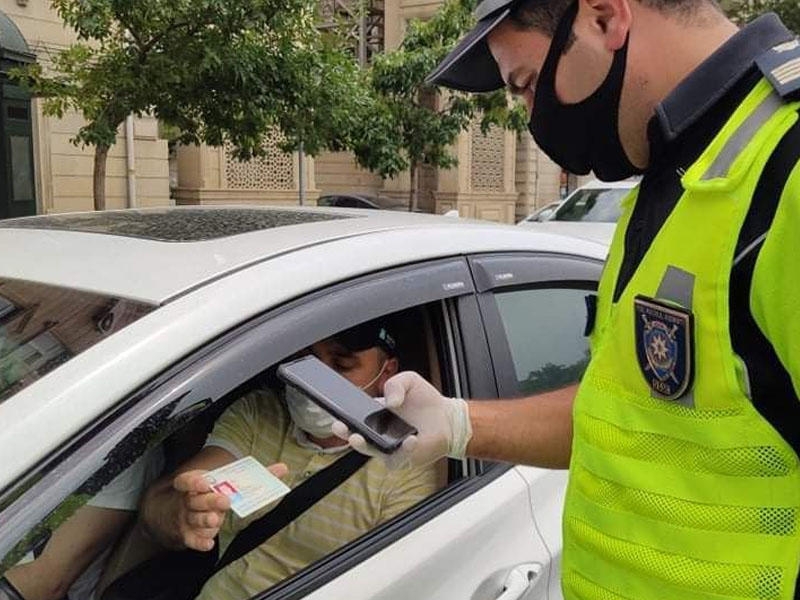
(683, 438)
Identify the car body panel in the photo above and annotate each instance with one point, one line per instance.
(547, 491)
(482, 538)
(599, 233)
(154, 272)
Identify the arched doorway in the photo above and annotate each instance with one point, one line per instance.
(17, 187)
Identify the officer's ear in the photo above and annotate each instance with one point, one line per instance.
(610, 19)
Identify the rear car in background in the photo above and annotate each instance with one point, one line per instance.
(590, 212)
(544, 213)
(358, 200)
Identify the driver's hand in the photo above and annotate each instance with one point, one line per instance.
(443, 423)
(201, 510)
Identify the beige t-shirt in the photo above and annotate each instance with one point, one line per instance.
(258, 424)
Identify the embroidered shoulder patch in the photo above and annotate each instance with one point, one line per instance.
(664, 346)
(781, 66)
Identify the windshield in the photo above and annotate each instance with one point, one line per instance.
(596, 205)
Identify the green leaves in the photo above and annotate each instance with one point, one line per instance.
(407, 123)
(217, 70)
(235, 71)
(743, 11)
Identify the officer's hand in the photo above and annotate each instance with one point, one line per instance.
(201, 510)
(443, 423)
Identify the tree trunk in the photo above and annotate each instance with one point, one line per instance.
(413, 196)
(100, 159)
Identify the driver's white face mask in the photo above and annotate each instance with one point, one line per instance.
(309, 417)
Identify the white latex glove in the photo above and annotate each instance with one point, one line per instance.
(443, 423)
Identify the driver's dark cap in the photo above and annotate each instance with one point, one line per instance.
(470, 67)
(377, 332)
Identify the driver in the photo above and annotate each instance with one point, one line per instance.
(181, 511)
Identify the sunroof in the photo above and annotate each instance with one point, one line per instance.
(176, 225)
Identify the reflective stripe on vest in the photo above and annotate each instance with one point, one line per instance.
(699, 498)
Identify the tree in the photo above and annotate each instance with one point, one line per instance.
(404, 127)
(217, 70)
(553, 376)
(743, 11)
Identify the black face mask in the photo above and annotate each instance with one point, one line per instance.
(584, 136)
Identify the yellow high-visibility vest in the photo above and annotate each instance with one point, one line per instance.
(679, 489)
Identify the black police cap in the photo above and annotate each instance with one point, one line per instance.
(377, 332)
(470, 67)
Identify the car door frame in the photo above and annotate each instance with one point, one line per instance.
(497, 272)
(214, 369)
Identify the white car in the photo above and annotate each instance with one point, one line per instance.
(590, 212)
(545, 213)
(118, 328)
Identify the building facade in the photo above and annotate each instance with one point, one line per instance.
(500, 176)
(42, 170)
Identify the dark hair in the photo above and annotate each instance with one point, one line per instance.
(544, 15)
(538, 14)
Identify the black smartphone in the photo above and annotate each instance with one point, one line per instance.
(360, 412)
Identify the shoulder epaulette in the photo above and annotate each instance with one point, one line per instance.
(781, 66)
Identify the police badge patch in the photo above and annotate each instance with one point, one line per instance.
(664, 346)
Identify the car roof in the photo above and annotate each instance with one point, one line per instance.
(155, 255)
(594, 231)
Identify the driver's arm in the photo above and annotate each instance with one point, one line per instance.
(181, 510)
(70, 550)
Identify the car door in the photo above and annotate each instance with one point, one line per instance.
(461, 542)
(536, 311)
(477, 539)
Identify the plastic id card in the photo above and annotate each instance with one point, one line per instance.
(248, 484)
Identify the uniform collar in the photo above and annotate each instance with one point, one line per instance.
(704, 87)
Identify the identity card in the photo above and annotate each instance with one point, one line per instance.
(249, 485)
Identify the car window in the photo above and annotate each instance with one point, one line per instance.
(253, 418)
(75, 523)
(545, 332)
(348, 202)
(43, 326)
(597, 205)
